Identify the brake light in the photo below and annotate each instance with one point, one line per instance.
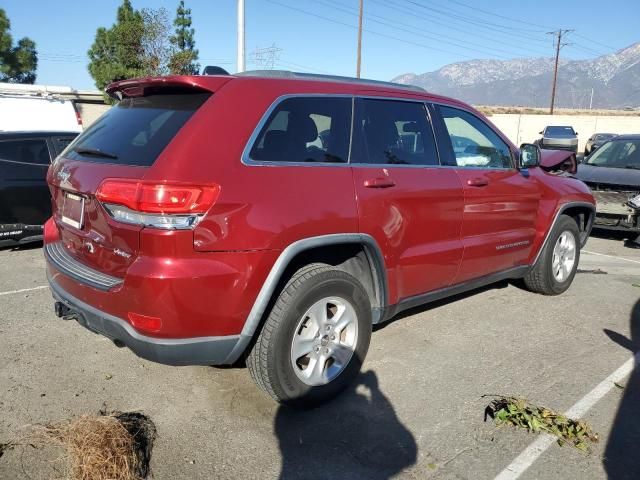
(161, 205)
(78, 118)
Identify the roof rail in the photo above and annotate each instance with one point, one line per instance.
(329, 78)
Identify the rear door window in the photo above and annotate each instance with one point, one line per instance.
(136, 130)
(305, 129)
(393, 132)
(34, 151)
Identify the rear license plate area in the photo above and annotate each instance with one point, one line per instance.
(73, 210)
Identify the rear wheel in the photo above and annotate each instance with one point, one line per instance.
(554, 271)
(315, 339)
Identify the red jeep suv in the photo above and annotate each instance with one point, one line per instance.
(274, 217)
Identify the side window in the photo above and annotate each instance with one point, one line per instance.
(474, 143)
(25, 151)
(61, 143)
(390, 132)
(306, 129)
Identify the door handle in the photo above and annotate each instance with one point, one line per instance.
(379, 183)
(477, 182)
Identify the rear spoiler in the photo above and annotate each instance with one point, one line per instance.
(139, 87)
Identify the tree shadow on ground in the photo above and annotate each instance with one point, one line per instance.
(621, 456)
(356, 436)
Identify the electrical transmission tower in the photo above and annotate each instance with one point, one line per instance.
(266, 58)
(558, 44)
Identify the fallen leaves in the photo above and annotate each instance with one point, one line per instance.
(520, 413)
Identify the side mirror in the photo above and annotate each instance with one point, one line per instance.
(530, 156)
(576, 134)
(541, 132)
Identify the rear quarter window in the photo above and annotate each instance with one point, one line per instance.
(136, 130)
(305, 129)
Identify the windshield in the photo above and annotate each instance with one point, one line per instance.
(559, 131)
(136, 130)
(617, 153)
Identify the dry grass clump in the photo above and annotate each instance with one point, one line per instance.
(104, 447)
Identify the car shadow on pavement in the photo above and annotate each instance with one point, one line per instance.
(356, 436)
(621, 458)
(21, 247)
(446, 301)
(629, 239)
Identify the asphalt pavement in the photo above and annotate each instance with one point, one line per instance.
(416, 411)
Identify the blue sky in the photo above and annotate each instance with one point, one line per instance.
(320, 36)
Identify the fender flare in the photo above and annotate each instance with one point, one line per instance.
(374, 257)
(563, 208)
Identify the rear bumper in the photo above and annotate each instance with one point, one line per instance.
(182, 351)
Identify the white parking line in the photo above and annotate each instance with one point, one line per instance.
(610, 256)
(23, 290)
(540, 445)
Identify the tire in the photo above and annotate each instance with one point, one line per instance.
(545, 277)
(315, 300)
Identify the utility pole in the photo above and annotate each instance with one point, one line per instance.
(359, 41)
(240, 66)
(591, 100)
(559, 45)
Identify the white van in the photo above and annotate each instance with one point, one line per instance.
(26, 109)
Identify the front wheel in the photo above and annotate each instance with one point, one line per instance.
(554, 271)
(315, 338)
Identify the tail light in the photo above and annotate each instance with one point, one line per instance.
(156, 204)
(78, 118)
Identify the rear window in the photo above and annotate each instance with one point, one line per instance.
(136, 130)
(559, 131)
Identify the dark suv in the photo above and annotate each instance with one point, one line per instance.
(275, 219)
(25, 203)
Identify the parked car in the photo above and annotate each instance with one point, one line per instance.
(202, 221)
(29, 112)
(25, 201)
(595, 141)
(559, 138)
(613, 174)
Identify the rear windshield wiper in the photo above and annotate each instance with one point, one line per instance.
(94, 151)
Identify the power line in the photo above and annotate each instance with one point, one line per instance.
(475, 21)
(596, 42)
(440, 38)
(449, 26)
(476, 9)
(372, 32)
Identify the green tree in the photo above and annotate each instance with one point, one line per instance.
(156, 45)
(184, 58)
(18, 63)
(117, 52)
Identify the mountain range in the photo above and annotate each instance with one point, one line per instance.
(614, 78)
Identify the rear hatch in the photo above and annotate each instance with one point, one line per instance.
(107, 160)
